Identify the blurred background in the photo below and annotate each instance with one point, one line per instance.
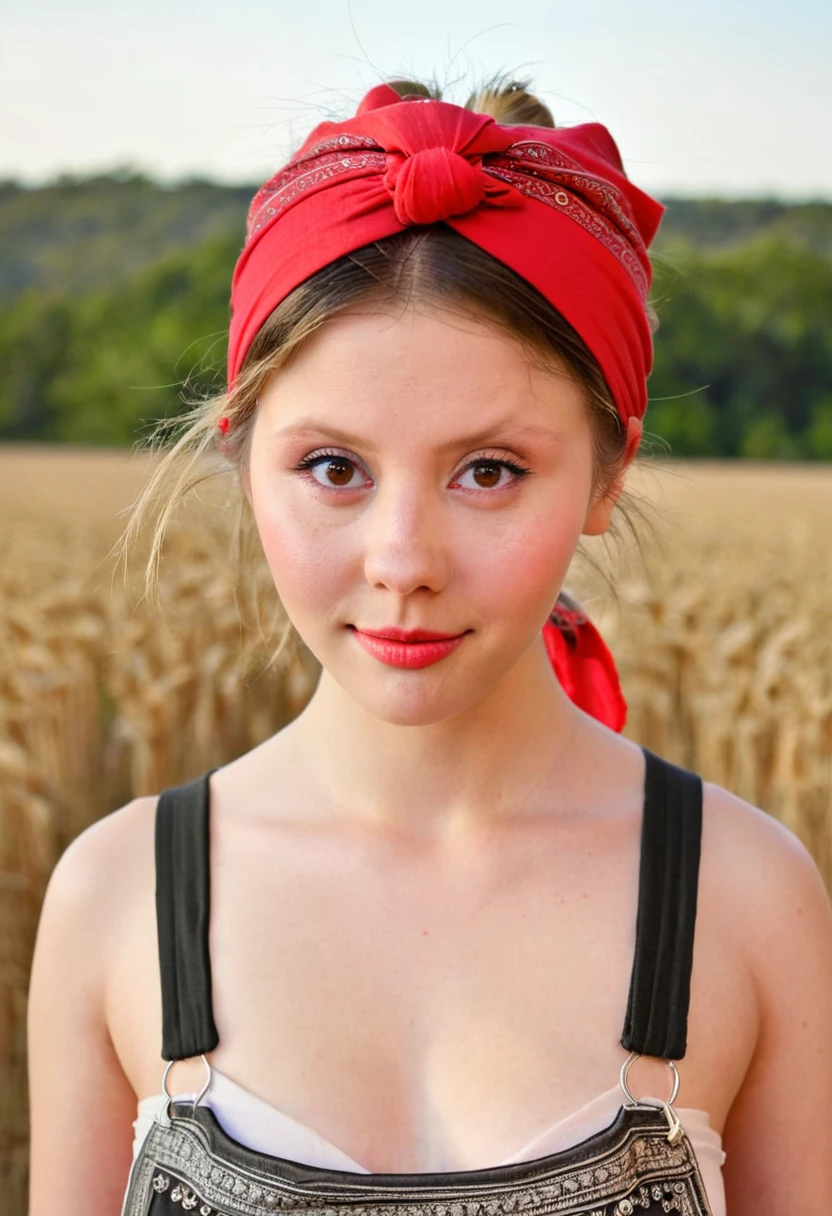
(134, 136)
(132, 140)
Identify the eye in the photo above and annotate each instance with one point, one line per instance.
(491, 470)
(337, 470)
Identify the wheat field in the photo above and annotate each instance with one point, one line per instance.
(722, 631)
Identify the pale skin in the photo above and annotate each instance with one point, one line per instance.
(424, 888)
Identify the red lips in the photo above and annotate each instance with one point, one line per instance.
(420, 648)
(409, 635)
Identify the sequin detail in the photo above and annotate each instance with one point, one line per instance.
(181, 1194)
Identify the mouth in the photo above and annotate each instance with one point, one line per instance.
(393, 634)
(420, 648)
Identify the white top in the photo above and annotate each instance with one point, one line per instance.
(252, 1122)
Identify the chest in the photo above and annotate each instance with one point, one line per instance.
(385, 993)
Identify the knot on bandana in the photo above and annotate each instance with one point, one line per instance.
(433, 184)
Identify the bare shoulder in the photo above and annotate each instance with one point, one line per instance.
(732, 822)
(99, 872)
(81, 1100)
(774, 918)
(107, 849)
(750, 845)
(765, 882)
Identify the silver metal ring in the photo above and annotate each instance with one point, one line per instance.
(201, 1093)
(625, 1068)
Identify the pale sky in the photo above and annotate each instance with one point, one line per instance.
(730, 97)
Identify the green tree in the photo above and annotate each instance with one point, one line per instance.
(743, 332)
(100, 371)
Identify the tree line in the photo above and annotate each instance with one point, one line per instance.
(114, 309)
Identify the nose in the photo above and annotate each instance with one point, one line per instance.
(406, 544)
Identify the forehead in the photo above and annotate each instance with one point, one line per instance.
(438, 366)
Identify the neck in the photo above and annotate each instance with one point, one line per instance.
(502, 757)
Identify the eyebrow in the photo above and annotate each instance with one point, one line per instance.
(506, 428)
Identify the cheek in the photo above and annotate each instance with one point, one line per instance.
(521, 574)
(305, 558)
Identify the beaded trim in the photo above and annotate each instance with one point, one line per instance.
(176, 1167)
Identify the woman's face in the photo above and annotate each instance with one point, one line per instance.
(446, 484)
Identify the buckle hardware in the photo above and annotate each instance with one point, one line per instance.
(198, 1097)
(676, 1131)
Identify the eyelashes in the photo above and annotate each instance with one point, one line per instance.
(494, 460)
(311, 462)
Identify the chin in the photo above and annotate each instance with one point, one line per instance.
(403, 704)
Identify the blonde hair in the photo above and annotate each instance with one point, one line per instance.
(433, 264)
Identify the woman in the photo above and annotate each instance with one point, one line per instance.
(435, 897)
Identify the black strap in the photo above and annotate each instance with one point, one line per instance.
(183, 907)
(671, 830)
(657, 1007)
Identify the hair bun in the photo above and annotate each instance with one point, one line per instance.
(506, 99)
(509, 101)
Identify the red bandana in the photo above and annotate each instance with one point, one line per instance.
(553, 204)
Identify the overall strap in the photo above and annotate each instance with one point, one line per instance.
(657, 1007)
(183, 908)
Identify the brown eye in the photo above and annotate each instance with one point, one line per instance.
(487, 474)
(490, 474)
(339, 471)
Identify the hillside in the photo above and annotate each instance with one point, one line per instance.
(114, 296)
(79, 233)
